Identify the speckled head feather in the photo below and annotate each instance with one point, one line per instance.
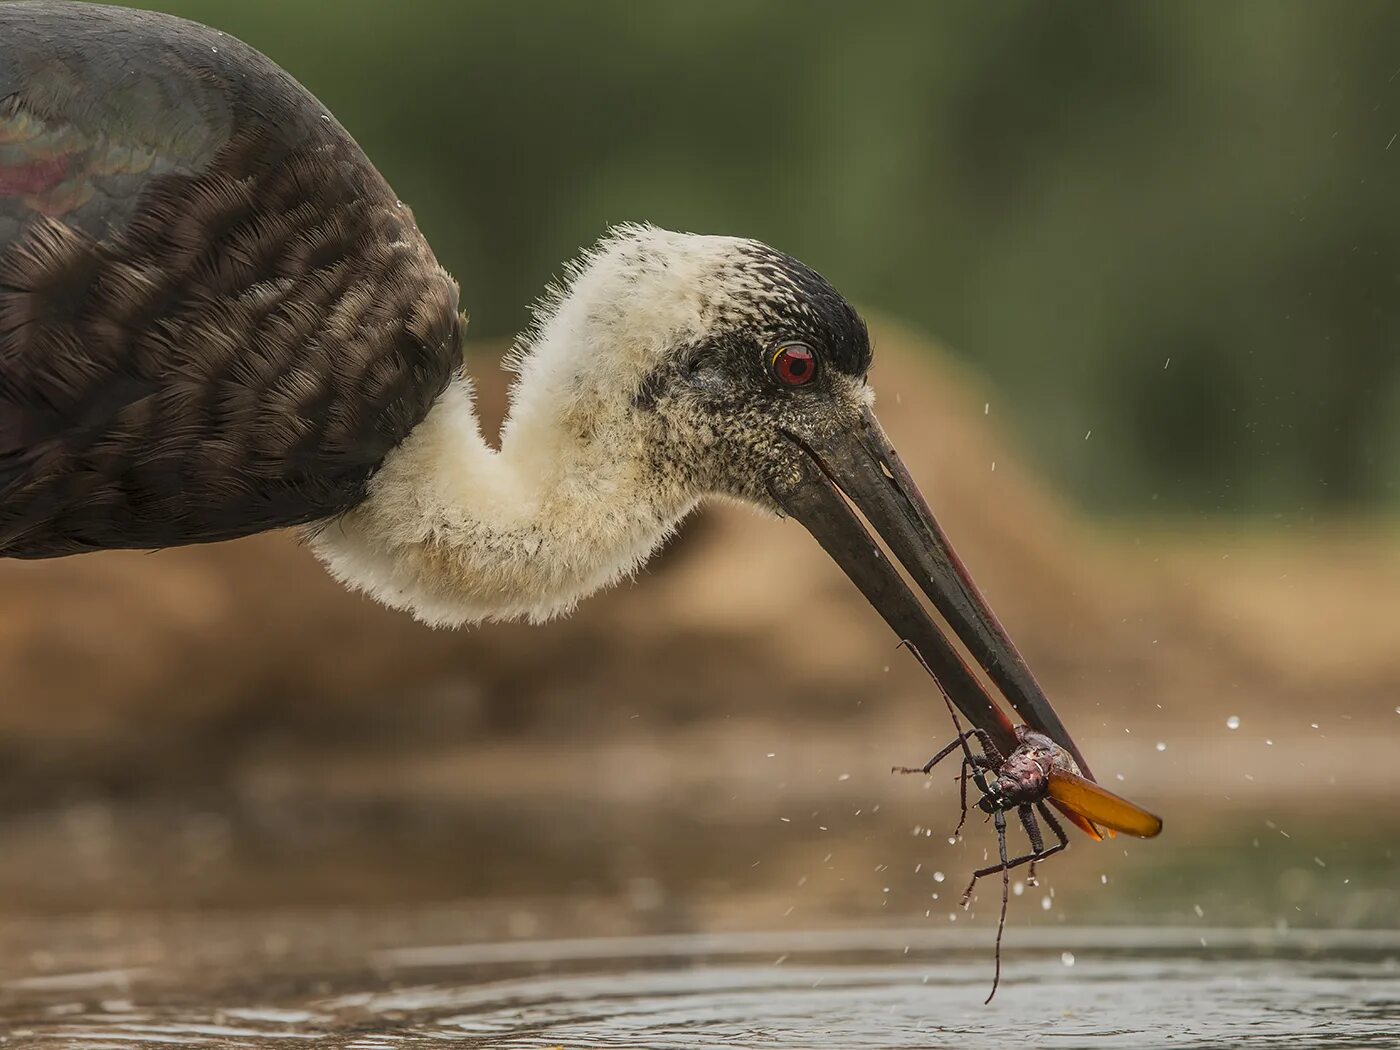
(668, 283)
(788, 299)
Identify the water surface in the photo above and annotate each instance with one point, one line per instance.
(586, 902)
(1063, 987)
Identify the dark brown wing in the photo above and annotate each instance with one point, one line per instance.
(215, 317)
(1076, 795)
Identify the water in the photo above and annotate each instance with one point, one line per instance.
(854, 988)
(516, 910)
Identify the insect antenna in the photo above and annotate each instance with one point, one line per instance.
(1005, 896)
(993, 759)
(905, 643)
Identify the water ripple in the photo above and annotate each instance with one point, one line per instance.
(849, 989)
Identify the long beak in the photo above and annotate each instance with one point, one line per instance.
(862, 465)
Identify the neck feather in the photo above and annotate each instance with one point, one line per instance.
(456, 531)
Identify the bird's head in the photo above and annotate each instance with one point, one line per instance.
(732, 369)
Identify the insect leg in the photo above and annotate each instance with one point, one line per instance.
(962, 797)
(1027, 815)
(983, 737)
(992, 751)
(927, 767)
(1062, 839)
(991, 758)
(973, 764)
(1016, 862)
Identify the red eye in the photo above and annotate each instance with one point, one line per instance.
(795, 364)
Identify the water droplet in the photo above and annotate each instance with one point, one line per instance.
(1233, 722)
(1103, 879)
(952, 840)
(1067, 958)
(1161, 745)
(938, 876)
(1018, 887)
(1045, 903)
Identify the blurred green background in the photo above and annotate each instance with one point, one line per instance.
(1158, 235)
(1168, 224)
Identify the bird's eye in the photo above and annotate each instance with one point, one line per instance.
(794, 364)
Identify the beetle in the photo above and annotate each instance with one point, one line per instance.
(1036, 771)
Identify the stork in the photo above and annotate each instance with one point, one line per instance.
(217, 319)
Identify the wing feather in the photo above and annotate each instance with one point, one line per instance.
(215, 316)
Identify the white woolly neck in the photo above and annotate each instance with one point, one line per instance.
(455, 531)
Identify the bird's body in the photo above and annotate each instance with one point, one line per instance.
(216, 318)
